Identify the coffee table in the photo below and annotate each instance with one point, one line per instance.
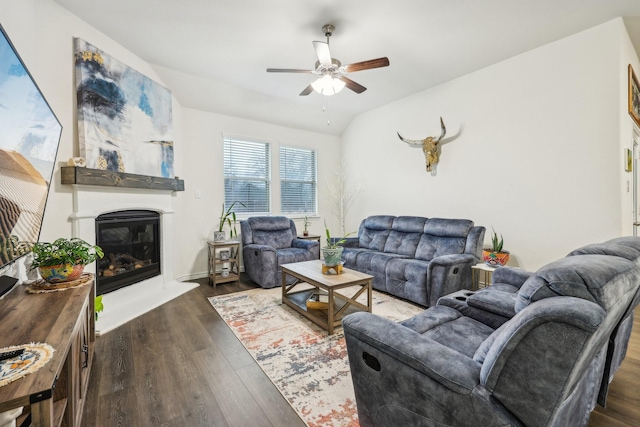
(339, 304)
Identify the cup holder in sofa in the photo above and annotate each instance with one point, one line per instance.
(460, 298)
(468, 294)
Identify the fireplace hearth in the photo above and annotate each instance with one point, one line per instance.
(130, 241)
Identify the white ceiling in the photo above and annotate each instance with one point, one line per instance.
(213, 53)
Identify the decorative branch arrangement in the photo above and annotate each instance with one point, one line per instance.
(342, 193)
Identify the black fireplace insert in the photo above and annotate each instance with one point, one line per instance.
(131, 244)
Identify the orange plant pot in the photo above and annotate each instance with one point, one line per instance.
(495, 259)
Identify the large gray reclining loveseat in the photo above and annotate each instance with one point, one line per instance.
(496, 304)
(543, 366)
(416, 258)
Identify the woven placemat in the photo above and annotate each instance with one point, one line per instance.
(35, 356)
(40, 286)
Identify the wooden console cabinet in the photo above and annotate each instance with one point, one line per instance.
(55, 394)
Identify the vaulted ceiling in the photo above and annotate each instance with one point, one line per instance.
(213, 54)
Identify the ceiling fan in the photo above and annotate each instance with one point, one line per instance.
(332, 73)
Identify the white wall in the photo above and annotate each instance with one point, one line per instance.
(203, 171)
(533, 149)
(42, 33)
(534, 144)
(628, 56)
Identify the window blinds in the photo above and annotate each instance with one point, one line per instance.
(297, 180)
(246, 175)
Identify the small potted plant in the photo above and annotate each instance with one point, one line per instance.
(495, 256)
(332, 253)
(306, 224)
(227, 217)
(64, 259)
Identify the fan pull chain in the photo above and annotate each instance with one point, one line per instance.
(325, 109)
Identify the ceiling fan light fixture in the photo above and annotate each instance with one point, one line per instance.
(327, 85)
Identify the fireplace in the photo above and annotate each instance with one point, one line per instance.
(130, 240)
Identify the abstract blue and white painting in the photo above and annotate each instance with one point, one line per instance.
(124, 117)
(29, 137)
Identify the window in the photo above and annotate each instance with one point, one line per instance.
(297, 180)
(246, 175)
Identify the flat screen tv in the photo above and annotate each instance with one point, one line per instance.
(29, 138)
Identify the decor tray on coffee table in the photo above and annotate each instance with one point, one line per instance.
(310, 272)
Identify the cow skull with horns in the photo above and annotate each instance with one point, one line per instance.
(430, 146)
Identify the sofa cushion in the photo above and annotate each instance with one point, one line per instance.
(450, 328)
(443, 227)
(602, 279)
(374, 263)
(495, 300)
(274, 231)
(407, 278)
(350, 256)
(613, 249)
(443, 237)
(374, 231)
(405, 234)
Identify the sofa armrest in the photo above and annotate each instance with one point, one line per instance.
(442, 364)
(351, 242)
(511, 276)
(259, 248)
(452, 260)
(447, 274)
(304, 244)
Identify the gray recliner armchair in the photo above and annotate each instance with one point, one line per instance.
(267, 243)
(542, 367)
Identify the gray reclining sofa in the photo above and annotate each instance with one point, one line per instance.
(541, 363)
(416, 258)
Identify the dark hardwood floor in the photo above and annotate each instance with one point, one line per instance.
(180, 365)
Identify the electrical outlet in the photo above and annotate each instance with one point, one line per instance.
(198, 194)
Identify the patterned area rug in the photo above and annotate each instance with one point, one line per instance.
(310, 369)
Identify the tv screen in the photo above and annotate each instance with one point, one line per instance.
(29, 138)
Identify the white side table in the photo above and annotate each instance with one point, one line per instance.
(479, 269)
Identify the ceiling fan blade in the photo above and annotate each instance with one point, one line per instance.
(367, 65)
(322, 51)
(307, 91)
(356, 87)
(288, 70)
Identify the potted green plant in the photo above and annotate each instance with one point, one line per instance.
(64, 259)
(306, 223)
(332, 253)
(227, 217)
(495, 256)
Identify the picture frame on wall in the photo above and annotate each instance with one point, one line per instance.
(634, 96)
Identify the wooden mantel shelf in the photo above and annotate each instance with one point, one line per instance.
(86, 176)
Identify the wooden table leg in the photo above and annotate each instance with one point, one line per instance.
(331, 312)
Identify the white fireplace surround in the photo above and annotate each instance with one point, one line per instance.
(127, 303)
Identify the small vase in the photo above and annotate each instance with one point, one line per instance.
(219, 236)
(60, 273)
(305, 233)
